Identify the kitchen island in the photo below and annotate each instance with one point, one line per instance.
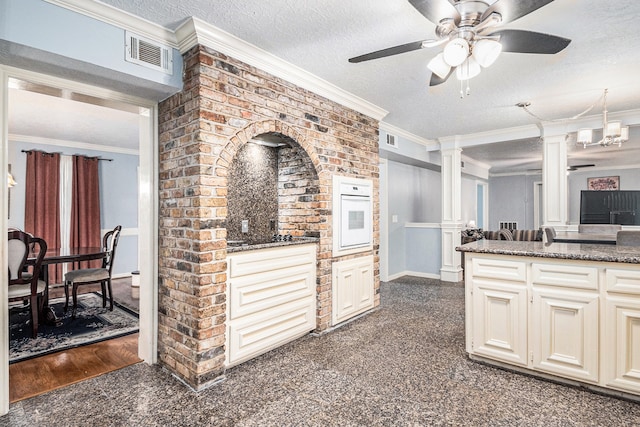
(563, 311)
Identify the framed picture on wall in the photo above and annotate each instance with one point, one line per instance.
(603, 183)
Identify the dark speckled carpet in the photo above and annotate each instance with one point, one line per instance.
(401, 365)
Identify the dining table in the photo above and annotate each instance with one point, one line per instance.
(591, 238)
(63, 256)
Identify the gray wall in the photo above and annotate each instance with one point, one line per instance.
(511, 199)
(118, 195)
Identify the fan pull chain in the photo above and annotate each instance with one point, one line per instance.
(464, 92)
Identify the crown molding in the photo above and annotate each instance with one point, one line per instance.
(71, 144)
(394, 130)
(195, 31)
(114, 16)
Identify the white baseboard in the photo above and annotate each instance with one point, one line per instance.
(414, 274)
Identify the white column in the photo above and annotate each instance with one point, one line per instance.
(451, 223)
(554, 181)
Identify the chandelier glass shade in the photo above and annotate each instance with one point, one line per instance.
(612, 132)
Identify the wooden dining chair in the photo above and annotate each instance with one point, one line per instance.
(100, 275)
(24, 277)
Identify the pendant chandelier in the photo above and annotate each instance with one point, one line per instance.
(612, 132)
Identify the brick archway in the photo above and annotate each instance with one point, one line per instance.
(257, 128)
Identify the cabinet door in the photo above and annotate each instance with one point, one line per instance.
(500, 321)
(352, 288)
(565, 333)
(622, 346)
(364, 285)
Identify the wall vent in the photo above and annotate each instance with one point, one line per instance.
(148, 53)
(509, 225)
(392, 141)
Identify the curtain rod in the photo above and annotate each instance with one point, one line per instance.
(88, 157)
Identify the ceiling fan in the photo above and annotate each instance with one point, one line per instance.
(576, 167)
(467, 29)
(569, 168)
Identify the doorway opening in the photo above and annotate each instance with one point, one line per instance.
(51, 115)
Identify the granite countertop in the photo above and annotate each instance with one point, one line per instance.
(577, 251)
(269, 244)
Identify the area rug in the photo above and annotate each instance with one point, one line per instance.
(92, 324)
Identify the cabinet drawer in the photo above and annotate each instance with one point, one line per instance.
(565, 275)
(499, 269)
(268, 260)
(623, 281)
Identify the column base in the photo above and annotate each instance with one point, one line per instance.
(447, 275)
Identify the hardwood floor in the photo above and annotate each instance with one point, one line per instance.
(42, 374)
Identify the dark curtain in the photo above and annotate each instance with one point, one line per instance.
(85, 206)
(42, 202)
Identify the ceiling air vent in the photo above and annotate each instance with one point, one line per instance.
(148, 53)
(392, 141)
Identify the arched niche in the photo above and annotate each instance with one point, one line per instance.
(273, 187)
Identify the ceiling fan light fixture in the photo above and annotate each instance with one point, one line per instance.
(456, 51)
(438, 66)
(468, 69)
(486, 51)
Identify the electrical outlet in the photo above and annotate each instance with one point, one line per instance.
(394, 218)
(272, 224)
(245, 225)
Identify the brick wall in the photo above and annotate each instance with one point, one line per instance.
(225, 103)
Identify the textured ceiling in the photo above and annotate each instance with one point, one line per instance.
(320, 37)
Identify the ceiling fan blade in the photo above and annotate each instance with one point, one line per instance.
(389, 51)
(520, 41)
(435, 80)
(576, 167)
(513, 9)
(436, 10)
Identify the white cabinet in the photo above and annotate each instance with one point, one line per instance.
(565, 333)
(352, 288)
(270, 299)
(573, 320)
(565, 321)
(500, 321)
(499, 295)
(622, 347)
